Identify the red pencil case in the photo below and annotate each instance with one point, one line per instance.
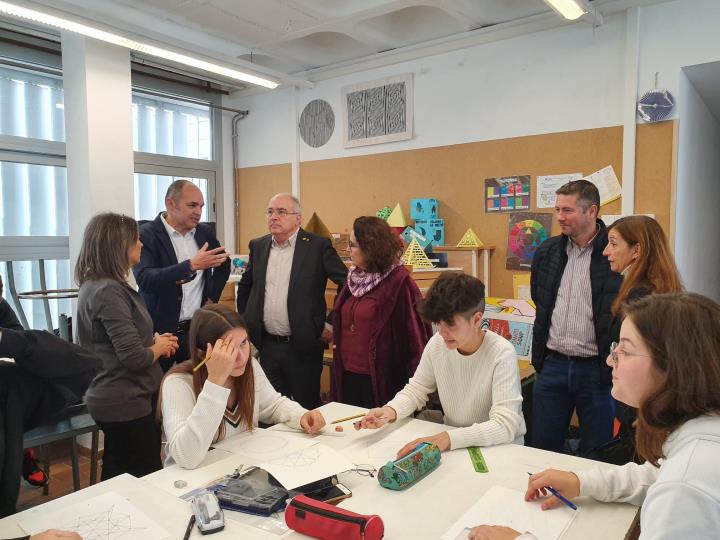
(327, 522)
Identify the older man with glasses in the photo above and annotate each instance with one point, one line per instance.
(282, 295)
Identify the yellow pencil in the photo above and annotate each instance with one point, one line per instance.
(353, 417)
(201, 363)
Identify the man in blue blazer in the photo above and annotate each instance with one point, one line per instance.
(182, 265)
(282, 295)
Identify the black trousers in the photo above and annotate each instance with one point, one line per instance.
(294, 375)
(357, 390)
(131, 447)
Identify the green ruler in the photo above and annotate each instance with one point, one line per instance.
(477, 459)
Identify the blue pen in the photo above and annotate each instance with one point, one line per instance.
(557, 494)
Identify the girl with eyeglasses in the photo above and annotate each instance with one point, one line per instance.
(668, 366)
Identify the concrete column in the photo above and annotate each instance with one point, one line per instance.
(99, 131)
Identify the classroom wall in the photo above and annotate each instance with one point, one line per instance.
(566, 79)
(697, 250)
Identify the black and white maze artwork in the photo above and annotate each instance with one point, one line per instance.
(105, 525)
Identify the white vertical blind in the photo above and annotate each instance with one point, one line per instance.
(33, 191)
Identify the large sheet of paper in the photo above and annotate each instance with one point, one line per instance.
(607, 183)
(306, 465)
(548, 185)
(503, 506)
(106, 517)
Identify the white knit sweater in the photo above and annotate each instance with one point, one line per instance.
(479, 393)
(190, 425)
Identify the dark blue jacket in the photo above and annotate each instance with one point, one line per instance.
(546, 272)
(160, 276)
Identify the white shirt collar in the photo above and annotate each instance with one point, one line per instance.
(171, 230)
(289, 242)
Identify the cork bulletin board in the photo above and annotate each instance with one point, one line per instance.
(341, 189)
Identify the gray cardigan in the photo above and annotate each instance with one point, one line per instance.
(114, 324)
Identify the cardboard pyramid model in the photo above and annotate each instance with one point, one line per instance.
(384, 212)
(316, 226)
(470, 239)
(415, 256)
(396, 217)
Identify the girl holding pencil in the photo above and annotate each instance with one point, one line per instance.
(221, 391)
(667, 364)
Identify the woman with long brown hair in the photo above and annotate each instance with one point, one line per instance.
(638, 249)
(668, 366)
(221, 390)
(379, 336)
(114, 325)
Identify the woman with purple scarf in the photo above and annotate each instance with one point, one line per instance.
(378, 335)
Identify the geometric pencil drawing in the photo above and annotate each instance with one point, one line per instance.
(106, 525)
(378, 111)
(264, 444)
(317, 123)
(302, 458)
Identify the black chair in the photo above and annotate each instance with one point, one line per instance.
(75, 421)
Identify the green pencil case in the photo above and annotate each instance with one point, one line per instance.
(404, 472)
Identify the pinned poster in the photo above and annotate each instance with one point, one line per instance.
(609, 219)
(521, 286)
(527, 230)
(507, 194)
(607, 183)
(548, 185)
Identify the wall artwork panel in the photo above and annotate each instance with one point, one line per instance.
(379, 111)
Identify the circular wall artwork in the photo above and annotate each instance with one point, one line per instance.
(525, 237)
(317, 123)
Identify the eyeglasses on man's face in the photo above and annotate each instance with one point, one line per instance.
(281, 212)
(616, 351)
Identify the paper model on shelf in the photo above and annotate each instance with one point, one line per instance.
(432, 229)
(238, 264)
(316, 226)
(424, 208)
(409, 233)
(470, 239)
(397, 218)
(415, 256)
(384, 212)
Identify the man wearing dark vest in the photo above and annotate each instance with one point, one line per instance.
(282, 295)
(573, 289)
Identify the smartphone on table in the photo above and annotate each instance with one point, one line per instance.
(333, 494)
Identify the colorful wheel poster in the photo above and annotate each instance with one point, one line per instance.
(526, 231)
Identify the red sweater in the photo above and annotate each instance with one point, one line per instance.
(388, 342)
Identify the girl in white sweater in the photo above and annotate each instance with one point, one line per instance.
(205, 401)
(668, 365)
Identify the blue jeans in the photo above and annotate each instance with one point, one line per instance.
(565, 384)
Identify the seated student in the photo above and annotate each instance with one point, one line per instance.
(474, 371)
(226, 395)
(669, 367)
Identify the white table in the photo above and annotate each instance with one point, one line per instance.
(424, 511)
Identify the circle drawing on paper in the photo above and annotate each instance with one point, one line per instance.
(525, 237)
(263, 444)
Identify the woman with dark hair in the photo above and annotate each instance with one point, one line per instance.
(668, 366)
(378, 334)
(114, 325)
(637, 249)
(221, 391)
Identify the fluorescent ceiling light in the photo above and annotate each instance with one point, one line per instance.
(570, 9)
(95, 33)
